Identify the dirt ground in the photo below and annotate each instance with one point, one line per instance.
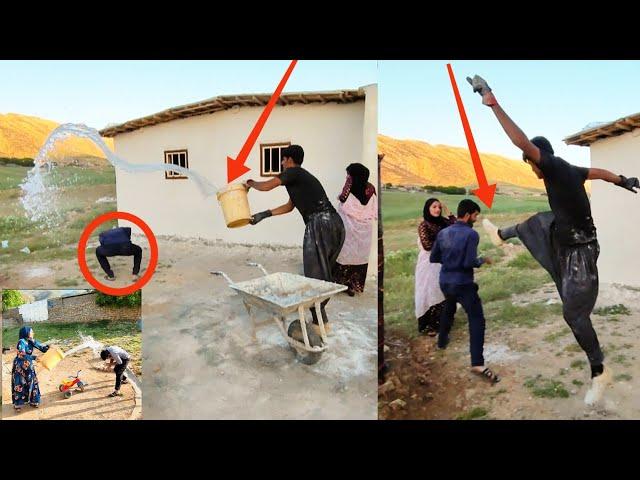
(427, 383)
(92, 404)
(199, 359)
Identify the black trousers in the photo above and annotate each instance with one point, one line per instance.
(574, 270)
(119, 250)
(119, 371)
(323, 239)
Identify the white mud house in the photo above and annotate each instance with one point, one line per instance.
(335, 128)
(616, 212)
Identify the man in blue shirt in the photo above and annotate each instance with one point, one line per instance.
(117, 242)
(456, 248)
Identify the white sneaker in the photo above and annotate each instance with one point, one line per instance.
(598, 385)
(492, 231)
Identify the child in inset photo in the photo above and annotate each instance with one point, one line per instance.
(118, 359)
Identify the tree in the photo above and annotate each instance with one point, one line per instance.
(11, 299)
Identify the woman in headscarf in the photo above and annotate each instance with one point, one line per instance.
(429, 300)
(358, 208)
(24, 382)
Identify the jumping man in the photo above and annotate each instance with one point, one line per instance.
(564, 240)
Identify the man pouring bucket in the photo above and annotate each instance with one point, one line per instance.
(324, 233)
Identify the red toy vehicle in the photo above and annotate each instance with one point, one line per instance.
(73, 383)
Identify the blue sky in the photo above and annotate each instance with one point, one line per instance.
(549, 98)
(100, 92)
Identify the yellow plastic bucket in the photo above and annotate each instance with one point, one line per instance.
(235, 205)
(50, 359)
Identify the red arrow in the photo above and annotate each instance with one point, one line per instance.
(485, 192)
(236, 168)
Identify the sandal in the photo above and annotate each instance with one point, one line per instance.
(488, 374)
(110, 279)
(115, 394)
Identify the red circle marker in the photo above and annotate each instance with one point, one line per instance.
(82, 247)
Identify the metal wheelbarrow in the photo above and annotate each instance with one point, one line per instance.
(281, 294)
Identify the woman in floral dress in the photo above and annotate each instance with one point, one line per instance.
(24, 382)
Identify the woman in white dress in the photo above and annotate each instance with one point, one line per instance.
(358, 208)
(429, 300)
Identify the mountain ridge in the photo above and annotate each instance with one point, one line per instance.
(21, 136)
(416, 162)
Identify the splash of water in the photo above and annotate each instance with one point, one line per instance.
(40, 195)
(87, 342)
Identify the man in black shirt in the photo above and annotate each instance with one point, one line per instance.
(324, 233)
(564, 240)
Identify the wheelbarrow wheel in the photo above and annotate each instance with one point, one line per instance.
(67, 394)
(295, 332)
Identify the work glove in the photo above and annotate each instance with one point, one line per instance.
(628, 183)
(479, 84)
(258, 217)
(482, 87)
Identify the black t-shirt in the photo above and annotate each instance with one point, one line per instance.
(568, 200)
(305, 190)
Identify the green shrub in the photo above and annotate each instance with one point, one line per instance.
(122, 301)
(21, 162)
(11, 299)
(451, 190)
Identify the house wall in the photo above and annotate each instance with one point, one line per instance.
(616, 211)
(83, 308)
(11, 317)
(80, 309)
(332, 135)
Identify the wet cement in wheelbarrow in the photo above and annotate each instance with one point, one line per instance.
(92, 404)
(287, 290)
(200, 360)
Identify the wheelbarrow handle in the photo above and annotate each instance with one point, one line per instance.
(257, 265)
(223, 275)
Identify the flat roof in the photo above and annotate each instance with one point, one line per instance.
(605, 130)
(225, 102)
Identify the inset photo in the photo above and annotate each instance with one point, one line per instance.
(71, 355)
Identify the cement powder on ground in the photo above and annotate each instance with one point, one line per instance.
(499, 354)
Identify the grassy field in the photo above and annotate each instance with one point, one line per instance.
(402, 212)
(78, 190)
(123, 334)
